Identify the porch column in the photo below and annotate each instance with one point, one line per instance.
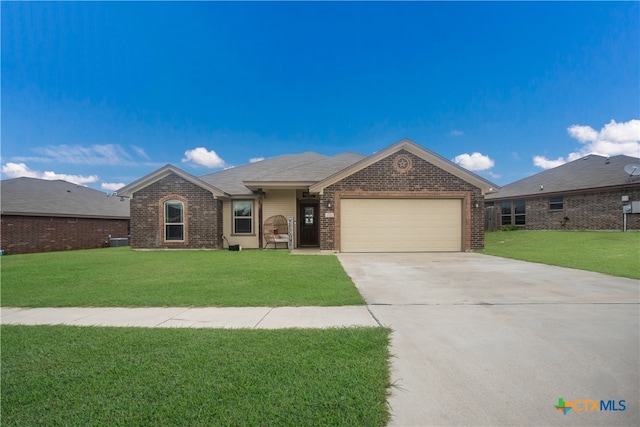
(260, 219)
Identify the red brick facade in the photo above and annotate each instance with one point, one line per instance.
(203, 216)
(31, 234)
(593, 210)
(423, 180)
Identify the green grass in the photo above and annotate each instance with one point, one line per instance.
(613, 253)
(126, 278)
(63, 375)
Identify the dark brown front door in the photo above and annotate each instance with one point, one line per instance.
(308, 220)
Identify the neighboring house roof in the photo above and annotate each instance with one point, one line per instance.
(587, 173)
(412, 148)
(128, 190)
(39, 197)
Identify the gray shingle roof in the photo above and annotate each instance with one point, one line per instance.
(588, 172)
(34, 196)
(306, 167)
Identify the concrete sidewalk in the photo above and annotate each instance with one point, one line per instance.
(193, 317)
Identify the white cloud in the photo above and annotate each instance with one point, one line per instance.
(201, 156)
(544, 163)
(456, 132)
(256, 159)
(583, 133)
(106, 154)
(140, 151)
(17, 170)
(112, 186)
(612, 140)
(474, 162)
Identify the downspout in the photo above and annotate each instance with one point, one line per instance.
(260, 230)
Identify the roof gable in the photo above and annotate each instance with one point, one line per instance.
(128, 190)
(412, 148)
(39, 197)
(589, 172)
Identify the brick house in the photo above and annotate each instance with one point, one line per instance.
(585, 194)
(42, 216)
(403, 198)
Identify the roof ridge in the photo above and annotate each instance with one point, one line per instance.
(280, 157)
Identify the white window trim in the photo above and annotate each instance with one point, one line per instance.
(234, 217)
(165, 206)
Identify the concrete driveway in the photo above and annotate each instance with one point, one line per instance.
(481, 340)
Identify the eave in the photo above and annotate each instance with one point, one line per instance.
(275, 185)
(62, 215)
(145, 181)
(543, 193)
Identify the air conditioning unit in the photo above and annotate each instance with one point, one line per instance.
(118, 241)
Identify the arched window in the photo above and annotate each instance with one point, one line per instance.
(173, 220)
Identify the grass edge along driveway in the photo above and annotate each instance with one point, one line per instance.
(121, 277)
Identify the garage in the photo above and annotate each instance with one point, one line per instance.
(400, 225)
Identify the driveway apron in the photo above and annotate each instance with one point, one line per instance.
(482, 340)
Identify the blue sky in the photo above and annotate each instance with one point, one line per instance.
(104, 93)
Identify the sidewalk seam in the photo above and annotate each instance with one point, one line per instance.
(263, 317)
(374, 316)
(173, 317)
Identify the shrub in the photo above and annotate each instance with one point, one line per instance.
(509, 227)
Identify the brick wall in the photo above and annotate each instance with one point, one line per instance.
(203, 216)
(423, 180)
(31, 234)
(601, 210)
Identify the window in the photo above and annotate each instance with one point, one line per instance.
(556, 203)
(505, 212)
(243, 217)
(518, 212)
(513, 212)
(173, 220)
(309, 215)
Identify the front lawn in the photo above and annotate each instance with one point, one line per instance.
(121, 277)
(64, 375)
(614, 253)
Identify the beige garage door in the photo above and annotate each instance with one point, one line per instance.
(400, 225)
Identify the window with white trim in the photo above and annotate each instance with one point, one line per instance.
(243, 217)
(173, 220)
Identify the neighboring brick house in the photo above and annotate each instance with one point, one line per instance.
(403, 198)
(585, 194)
(42, 216)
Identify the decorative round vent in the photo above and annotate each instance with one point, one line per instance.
(402, 163)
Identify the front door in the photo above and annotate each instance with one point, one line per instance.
(308, 220)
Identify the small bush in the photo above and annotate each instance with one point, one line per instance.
(509, 227)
